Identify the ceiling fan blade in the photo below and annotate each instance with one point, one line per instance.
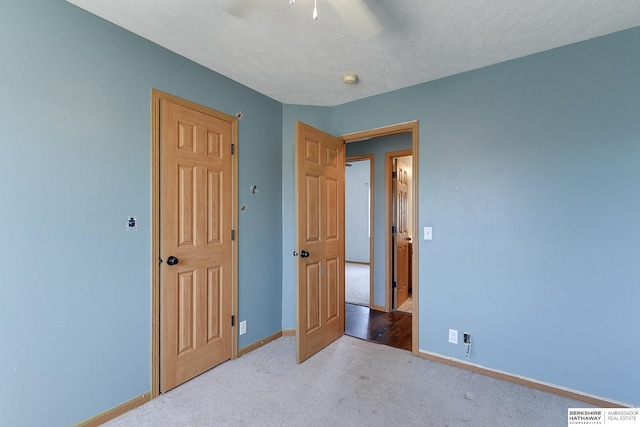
(358, 17)
(238, 8)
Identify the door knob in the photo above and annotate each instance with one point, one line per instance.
(304, 254)
(172, 260)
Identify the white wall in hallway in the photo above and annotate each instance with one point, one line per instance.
(357, 227)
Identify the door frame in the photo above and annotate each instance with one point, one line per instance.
(411, 127)
(389, 202)
(156, 97)
(370, 158)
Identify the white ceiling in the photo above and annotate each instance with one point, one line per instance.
(278, 50)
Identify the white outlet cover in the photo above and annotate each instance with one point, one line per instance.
(453, 336)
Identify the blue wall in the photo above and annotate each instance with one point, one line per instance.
(529, 173)
(379, 147)
(75, 162)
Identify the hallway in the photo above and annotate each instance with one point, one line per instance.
(392, 329)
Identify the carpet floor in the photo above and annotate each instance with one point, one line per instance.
(356, 283)
(349, 383)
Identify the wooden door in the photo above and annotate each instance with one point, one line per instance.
(320, 213)
(195, 242)
(401, 239)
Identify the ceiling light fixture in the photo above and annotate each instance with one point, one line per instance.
(350, 78)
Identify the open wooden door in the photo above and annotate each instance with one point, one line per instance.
(401, 236)
(196, 248)
(320, 214)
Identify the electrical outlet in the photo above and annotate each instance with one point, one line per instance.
(243, 327)
(466, 338)
(453, 336)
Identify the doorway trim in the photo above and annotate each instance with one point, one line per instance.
(156, 97)
(371, 159)
(411, 127)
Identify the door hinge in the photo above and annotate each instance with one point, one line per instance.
(394, 229)
(394, 284)
(233, 234)
(233, 320)
(394, 174)
(233, 149)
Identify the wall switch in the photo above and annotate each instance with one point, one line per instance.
(428, 233)
(243, 327)
(453, 336)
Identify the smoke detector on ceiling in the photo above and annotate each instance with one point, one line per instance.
(350, 78)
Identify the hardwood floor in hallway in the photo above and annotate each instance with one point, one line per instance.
(392, 329)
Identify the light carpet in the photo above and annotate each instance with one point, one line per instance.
(349, 383)
(356, 283)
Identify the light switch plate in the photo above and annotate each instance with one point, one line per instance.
(428, 233)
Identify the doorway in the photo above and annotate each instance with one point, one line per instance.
(358, 236)
(381, 321)
(400, 211)
(320, 297)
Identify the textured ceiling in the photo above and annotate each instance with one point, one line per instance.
(278, 50)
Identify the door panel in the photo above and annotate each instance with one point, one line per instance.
(312, 217)
(402, 235)
(313, 296)
(332, 210)
(320, 204)
(333, 297)
(195, 222)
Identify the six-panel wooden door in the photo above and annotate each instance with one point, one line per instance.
(195, 242)
(320, 205)
(401, 241)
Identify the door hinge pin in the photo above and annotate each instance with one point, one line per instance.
(394, 229)
(394, 285)
(233, 320)
(233, 148)
(394, 174)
